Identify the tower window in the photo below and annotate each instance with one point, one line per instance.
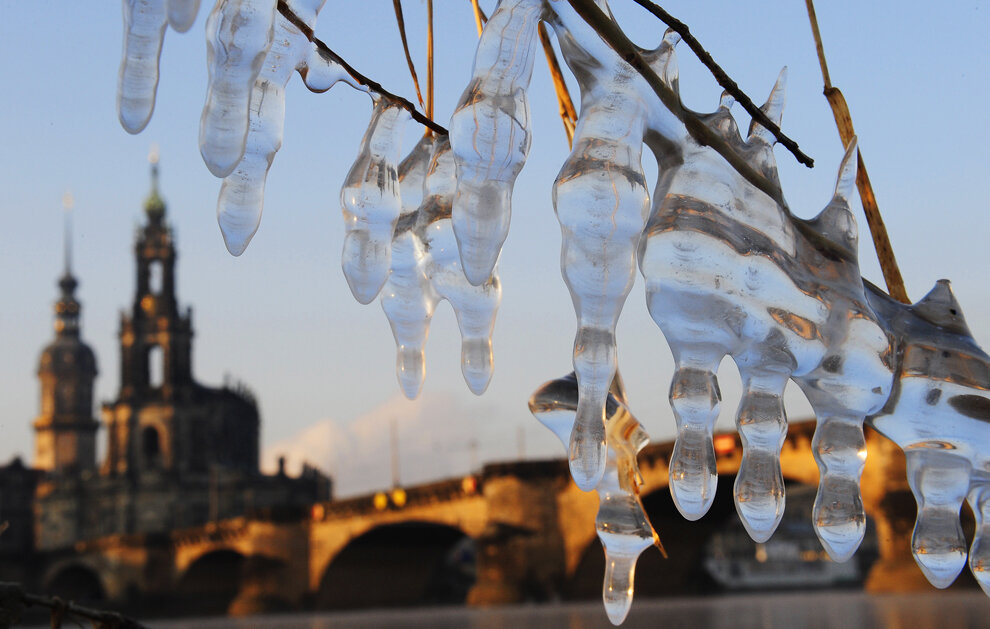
(155, 277)
(156, 367)
(151, 446)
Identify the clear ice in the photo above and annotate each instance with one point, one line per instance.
(238, 37)
(371, 202)
(490, 136)
(242, 194)
(181, 14)
(622, 524)
(426, 268)
(939, 414)
(137, 82)
(408, 298)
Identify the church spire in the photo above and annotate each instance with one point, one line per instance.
(154, 205)
(67, 307)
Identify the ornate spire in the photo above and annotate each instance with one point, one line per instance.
(67, 308)
(154, 205)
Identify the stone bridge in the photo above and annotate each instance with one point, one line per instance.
(518, 531)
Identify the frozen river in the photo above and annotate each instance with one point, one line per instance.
(840, 610)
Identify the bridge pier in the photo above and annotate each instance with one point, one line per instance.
(520, 553)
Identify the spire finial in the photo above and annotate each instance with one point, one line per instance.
(154, 206)
(67, 204)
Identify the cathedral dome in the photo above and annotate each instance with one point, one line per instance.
(66, 355)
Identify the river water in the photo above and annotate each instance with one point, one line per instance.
(839, 610)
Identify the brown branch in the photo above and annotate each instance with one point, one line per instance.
(479, 16)
(429, 59)
(13, 601)
(610, 32)
(725, 80)
(361, 79)
(397, 6)
(568, 114)
(843, 121)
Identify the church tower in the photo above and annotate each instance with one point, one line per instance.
(65, 431)
(156, 339)
(163, 421)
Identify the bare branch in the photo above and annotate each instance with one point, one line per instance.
(397, 5)
(725, 80)
(361, 79)
(610, 32)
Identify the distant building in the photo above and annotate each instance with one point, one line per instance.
(178, 453)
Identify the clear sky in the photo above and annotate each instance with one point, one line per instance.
(281, 318)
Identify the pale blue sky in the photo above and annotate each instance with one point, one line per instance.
(281, 318)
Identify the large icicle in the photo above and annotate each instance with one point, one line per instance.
(852, 381)
(622, 524)
(407, 298)
(144, 31)
(238, 37)
(938, 414)
(474, 305)
(489, 134)
(242, 195)
(371, 202)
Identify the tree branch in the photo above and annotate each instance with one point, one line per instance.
(361, 79)
(725, 80)
(13, 601)
(610, 32)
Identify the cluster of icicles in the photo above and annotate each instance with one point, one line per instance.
(728, 271)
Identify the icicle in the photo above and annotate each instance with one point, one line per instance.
(937, 413)
(182, 14)
(474, 305)
(853, 381)
(407, 298)
(242, 195)
(762, 425)
(238, 37)
(979, 552)
(371, 202)
(144, 30)
(622, 524)
(939, 481)
(489, 134)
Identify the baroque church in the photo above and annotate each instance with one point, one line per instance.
(178, 453)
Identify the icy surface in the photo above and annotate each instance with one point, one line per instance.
(474, 305)
(426, 269)
(371, 202)
(622, 525)
(144, 30)
(490, 136)
(939, 414)
(238, 37)
(407, 298)
(181, 13)
(242, 195)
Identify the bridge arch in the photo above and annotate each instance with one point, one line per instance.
(75, 581)
(430, 564)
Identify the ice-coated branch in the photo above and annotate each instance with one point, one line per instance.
(610, 32)
(329, 55)
(725, 80)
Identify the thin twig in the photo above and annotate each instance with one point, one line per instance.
(610, 32)
(479, 16)
(13, 595)
(429, 59)
(724, 80)
(361, 79)
(397, 6)
(843, 121)
(568, 114)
